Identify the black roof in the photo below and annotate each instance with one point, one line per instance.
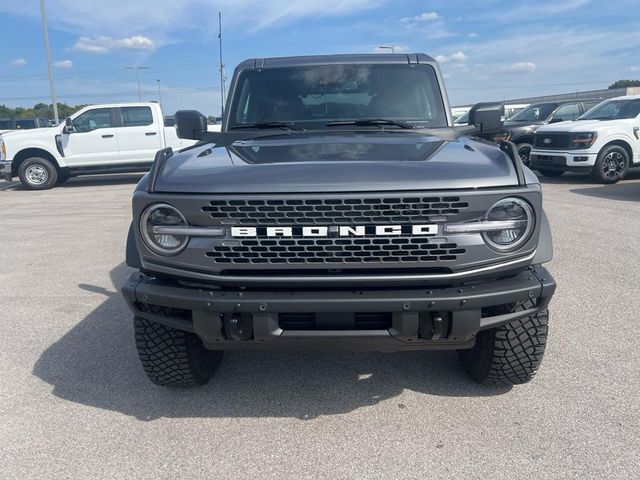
(367, 58)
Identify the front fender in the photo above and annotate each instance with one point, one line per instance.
(544, 252)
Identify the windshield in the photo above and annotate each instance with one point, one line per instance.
(329, 93)
(613, 110)
(534, 113)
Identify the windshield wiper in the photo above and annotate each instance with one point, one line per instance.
(365, 122)
(263, 125)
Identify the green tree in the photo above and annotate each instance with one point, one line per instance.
(624, 84)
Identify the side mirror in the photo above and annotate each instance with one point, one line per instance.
(487, 117)
(190, 124)
(556, 120)
(68, 126)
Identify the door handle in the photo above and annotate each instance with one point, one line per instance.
(107, 136)
(149, 134)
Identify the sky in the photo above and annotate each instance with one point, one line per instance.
(489, 50)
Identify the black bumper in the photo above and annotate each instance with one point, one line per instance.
(556, 163)
(407, 319)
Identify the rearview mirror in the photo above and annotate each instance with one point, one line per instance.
(68, 126)
(487, 117)
(190, 124)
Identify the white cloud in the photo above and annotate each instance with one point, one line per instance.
(456, 57)
(423, 17)
(63, 64)
(519, 67)
(473, 35)
(634, 69)
(100, 45)
(18, 62)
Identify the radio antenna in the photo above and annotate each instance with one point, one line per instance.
(223, 78)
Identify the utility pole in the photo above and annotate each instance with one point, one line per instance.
(159, 96)
(52, 86)
(385, 47)
(137, 68)
(222, 75)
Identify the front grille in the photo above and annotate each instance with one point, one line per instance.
(552, 141)
(335, 250)
(334, 211)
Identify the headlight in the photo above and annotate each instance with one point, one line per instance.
(3, 151)
(583, 140)
(156, 226)
(513, 222)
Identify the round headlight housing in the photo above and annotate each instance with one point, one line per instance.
(519, 220)
(157, 218)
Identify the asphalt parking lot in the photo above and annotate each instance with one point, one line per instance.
(74, 401)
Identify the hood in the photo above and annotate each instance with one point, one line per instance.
(44, 131)
(584, 125)
(338, 163)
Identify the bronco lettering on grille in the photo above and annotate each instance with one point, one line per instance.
(336, 231)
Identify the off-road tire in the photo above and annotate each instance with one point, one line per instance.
(37, 173)
(550, 173)
(173, 358)
(509, 354)
(611, 165)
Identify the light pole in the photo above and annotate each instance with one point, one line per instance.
(137, 68)
(52, 86)
(386, 47)
(159, 96)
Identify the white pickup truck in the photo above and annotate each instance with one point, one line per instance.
(604, 142)
(111, 138)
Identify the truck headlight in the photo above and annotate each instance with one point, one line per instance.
(158, 228)
(583, 140)
(3, 151)
(513, 219)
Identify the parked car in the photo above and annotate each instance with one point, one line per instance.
(8, 124)
(97, 139)
(604, 142)
(520, 128)
(339, 209)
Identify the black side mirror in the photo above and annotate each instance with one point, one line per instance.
(556, 120)
(68, 126)
(487, 117)
(190, 124)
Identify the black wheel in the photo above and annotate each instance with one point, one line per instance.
(524, 151)
(173, 358)
(551, 173)
(510, 354)
(611, 165)
(37, 173)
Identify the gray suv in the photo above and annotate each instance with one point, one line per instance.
(340, 209)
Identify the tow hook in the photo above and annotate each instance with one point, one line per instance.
(238, 327)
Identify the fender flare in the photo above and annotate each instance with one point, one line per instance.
(544, 252)
(133, 257)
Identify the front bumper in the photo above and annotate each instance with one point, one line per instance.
(417, 319)
(5, 170)
(570, 161)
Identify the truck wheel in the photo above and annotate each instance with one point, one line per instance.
(510, 354)
(37, 173)
(173, 358)
(524, 151)
(551, 173)
(611, 165)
